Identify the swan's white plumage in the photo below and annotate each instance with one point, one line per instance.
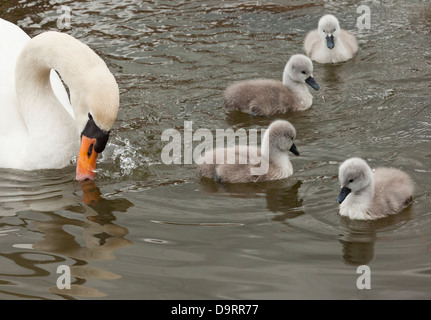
(13, 130)
(39, 128)
(13, 41)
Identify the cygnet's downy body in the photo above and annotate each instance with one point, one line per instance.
(368, 194)
(267, 97)
(329, 43)
(253, 164)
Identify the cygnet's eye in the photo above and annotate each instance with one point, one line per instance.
(333, 30)
(324, 30)
(303, 72)
(351, 180)
(288, 136)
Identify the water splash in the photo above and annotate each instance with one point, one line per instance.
(128, 157)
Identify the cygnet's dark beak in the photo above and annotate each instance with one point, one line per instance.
(343, 194)
(310, 81)
(294, 150)
(330, 42)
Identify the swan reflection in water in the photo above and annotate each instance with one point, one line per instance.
(358, 237)
(76, 227)
(281, 196)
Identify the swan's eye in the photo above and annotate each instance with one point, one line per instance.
(324, 30)
(351, 180)
(303, 72)
(333, 30)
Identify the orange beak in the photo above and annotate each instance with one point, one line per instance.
(86, 167)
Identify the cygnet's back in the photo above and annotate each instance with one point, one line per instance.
(260, 97)
(266, 97)
(393, 191)
(238, 172)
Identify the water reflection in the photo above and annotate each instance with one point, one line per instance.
(236, 119)
(330, 75)
(358, 237)
(281, 196)
(100, 234)
(285, 201)
(76, 227)
(31, 190)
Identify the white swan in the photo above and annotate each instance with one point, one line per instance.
(39, 127)
(271, 160)
(329, 43)
(370, 194)
(266, 97)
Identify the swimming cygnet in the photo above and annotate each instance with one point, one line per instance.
(329, 43)
(370, 194)
(266, 97)
(253, 164)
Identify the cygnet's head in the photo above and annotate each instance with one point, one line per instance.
(281, 134)
(299, 68)
(329, 29)
(354, 175)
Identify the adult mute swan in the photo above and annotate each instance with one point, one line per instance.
(370, 194)
(251, 164)
(39, 127)
(267, 97)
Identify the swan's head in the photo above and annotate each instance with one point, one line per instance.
(281, 134)
(329, 29)
(100, 103)
(354, 175)
(299, 68)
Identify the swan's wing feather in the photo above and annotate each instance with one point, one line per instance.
(13, 131)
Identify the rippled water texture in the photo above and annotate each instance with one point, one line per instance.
(148, 230)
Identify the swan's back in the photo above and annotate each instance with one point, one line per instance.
(393, 191)
(13, 39)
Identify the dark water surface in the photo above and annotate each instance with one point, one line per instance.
(148, 230)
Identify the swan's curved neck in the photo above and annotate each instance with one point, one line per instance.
(83, 71)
